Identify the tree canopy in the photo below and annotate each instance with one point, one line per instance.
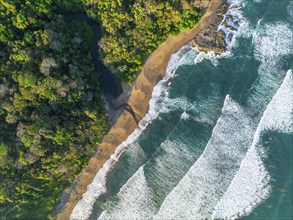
(51, 113)
(133, 29)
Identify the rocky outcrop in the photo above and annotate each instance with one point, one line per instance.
(210, 38)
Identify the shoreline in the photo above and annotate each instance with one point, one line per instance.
(153, 71)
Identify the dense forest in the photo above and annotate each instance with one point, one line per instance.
(52, 116)
(133, 29)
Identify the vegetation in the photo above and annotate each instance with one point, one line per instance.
(51, 114)
(132, 29)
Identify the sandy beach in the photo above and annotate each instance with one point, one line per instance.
(153, 71)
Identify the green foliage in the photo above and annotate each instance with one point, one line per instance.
(21, 159)
(51, 113)
(3, 150)
(133, 29)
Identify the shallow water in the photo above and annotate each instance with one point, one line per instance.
(218, 143)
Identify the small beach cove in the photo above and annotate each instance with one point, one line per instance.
(153, 71)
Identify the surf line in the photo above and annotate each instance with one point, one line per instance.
(84, 207)
(252, 183)
(98, 166)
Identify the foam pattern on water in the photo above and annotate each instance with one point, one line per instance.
(136, 199)
(192, 109)
(132, 198)
(251, 184)
(170, 161)
(213, 56)
(208, 178)
(271, 43)
(278, 115)
(188, 58)
(230, 25)
(97, 188)
(218, 178)
(176, 150)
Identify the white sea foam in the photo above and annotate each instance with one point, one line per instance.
(235, 2)
(159, 90)
(271, 43)
(97, 188)
(211, 55)
(250, 185)
(232, 24)
(170, 104)
(195, 107)
(279, 115)
(136, 199)
(170, 149)
(194, 56)
(185, 116)
(188, 58)
(167, 165)
(132, 200)
(84, 207)
(209, 177)
(274, 40)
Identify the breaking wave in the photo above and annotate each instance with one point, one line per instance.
(97, 188)
(251, 185)
(208, 178)
(209, 164)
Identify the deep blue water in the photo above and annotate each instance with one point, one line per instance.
(220, 145)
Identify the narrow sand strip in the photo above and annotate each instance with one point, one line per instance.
(153, 71)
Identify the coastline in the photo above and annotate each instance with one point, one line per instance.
(153, 71)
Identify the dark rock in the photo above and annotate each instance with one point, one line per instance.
(210, 39)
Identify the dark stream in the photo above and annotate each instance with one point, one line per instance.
(109, 83)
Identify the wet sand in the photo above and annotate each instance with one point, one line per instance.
(154, 70)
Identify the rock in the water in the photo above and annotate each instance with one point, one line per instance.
(210, 38)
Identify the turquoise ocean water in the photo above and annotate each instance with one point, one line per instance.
(217, 143)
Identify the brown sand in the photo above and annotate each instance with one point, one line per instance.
(154, 70)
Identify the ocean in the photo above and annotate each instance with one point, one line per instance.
(217, 141)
